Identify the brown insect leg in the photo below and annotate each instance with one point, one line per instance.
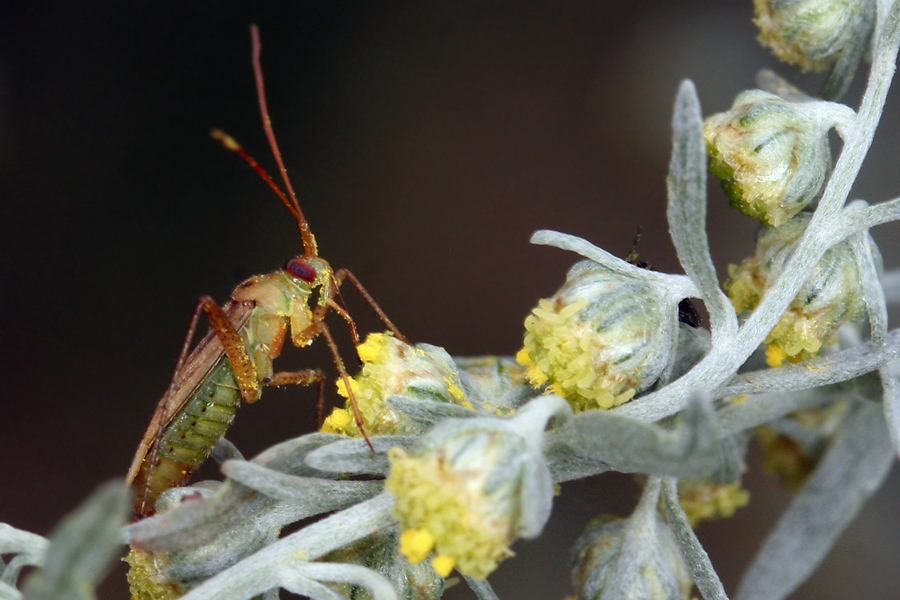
(357, 416)
(245, 372)
(320, 405)
(304, 377)
(241, 363)
(339, 276)
(341, 311)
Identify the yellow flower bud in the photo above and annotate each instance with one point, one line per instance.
(448, 504)
(471, 487)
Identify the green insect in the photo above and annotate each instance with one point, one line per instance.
(234, 360)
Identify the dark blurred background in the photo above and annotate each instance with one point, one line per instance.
(426, 142)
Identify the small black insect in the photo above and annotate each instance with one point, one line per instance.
(687, 312)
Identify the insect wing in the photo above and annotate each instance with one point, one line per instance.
(196, 369)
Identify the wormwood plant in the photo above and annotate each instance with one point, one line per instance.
(615, 374)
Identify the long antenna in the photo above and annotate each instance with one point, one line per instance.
(229, 143)
(309, 240)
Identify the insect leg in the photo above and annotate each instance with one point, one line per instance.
(304, 377)
(357, 416)
(318, 326)
(244, 372)
(339, 276)
(350, 323)
(320, 405)
(241, 363)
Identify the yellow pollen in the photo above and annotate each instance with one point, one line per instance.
(415, 544)
(342, 387)
(523, 357)
(454, 389)
(775, 355)
(370, 349)
(443, 564)
(336, 421)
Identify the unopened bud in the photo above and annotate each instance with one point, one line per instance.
(831, 297)
(662, 573)
(602, 338)
(771, 155)
(811, 33)
(380, 552)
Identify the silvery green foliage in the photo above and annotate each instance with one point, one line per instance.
(77, 555)
(493, 382)
(379, 552)
(225, 541)
(854, 466)
(26, 550)
(637, 557)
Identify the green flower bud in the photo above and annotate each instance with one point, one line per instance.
(601, 339)
(662, 574)
(811, 33)
(471, 487)
(771, 155)
(394, 368)
(831, 297)
(380, 552)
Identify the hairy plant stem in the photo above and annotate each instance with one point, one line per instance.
(728, 354)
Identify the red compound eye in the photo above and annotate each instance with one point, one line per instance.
(299, 269)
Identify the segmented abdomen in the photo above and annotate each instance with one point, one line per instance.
(192, 434)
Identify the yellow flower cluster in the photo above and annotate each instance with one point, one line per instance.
(796, 337)
(391, 367)
(703, 499)
(830, 297)
(578, 362)
(147, 577)
(448, 511)
(788, 459)
(783, 457)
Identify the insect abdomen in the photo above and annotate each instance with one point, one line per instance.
(192, 433)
